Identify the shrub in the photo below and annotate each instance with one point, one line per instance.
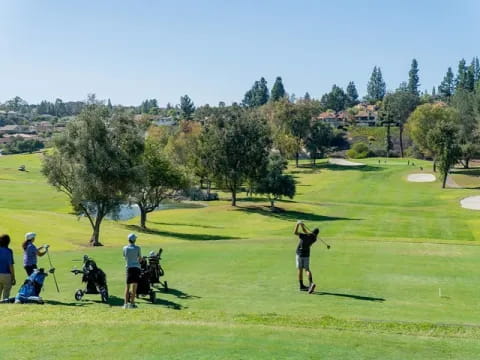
(358, 151)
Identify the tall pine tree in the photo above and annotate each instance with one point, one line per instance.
(413, 79)
(278, 91)
(447, 86)
(352, 95)
(257, 95)
(376, 87)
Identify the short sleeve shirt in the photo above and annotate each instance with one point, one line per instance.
(30, 255)
(131, 253)
(306, 241)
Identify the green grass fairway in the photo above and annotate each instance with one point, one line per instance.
(232, 273)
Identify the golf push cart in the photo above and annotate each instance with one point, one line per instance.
(151, 271)
(95, 279)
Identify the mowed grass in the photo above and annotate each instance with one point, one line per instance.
(396, 246)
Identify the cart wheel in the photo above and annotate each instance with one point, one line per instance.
(165, 286)
(153, 296)
(78, 295)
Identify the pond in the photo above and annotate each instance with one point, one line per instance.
(128, 212)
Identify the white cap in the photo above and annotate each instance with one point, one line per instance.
(30, 236)
(132, 237)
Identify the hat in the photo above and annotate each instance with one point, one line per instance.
(30, 236)
(132, 237)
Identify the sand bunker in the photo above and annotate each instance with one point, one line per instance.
(421, 178)
(472, 203)
(343, 162)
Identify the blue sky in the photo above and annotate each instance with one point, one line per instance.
(214, 50)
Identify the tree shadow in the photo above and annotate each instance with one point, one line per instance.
(181, 295)
(169, 304)
(471, 172)
(184, 224)
(364, 168)
(183, 236)
(351, 296)
(290, 215)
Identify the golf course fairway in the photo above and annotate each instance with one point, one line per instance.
(401, 280)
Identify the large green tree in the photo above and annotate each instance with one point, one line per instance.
(258, 95)
(335, 100)
(443, 139)
(352, 95)
(278, 91)
(234, 146)
(319, 139)
(95, 162)
(466, 103)
(376, 87)
(447, 86)
(161, 179)
(413, 79)
(187, 107)
(274, 183)
(396, 108)
(423, 119)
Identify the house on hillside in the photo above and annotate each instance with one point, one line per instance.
(11, 129)
(335, 120)
(366, 115)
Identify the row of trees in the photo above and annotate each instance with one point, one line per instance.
(104, 160)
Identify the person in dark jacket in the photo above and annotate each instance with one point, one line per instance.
(306, 240)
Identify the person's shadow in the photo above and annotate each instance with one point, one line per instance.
(351, 296)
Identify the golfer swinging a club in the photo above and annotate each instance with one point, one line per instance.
(307, 238)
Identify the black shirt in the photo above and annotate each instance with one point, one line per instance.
(306, 240)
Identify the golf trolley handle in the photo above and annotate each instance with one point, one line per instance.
(76, 271)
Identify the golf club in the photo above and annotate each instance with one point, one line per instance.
(327, 245)
(52, 270)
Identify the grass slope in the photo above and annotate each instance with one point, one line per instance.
(231, 270)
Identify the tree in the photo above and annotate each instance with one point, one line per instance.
(465, 77)
(235, 145)
(278, 91)
(95, 162)
(413, 79)
(468, 135)
(257, 95)
(423, 119)
(447, 86)
(307, 97)
(443, 140)
(352, 95)
(187, 107)
(396, 108)
(376, 87)
(319, 140)
(335, 100)
(275, 183)
(160, 180)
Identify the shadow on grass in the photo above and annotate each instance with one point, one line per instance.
(180, 294)
(356, 297)
(116, 301)
(290, 215)
(183, 236)
(55, 302)
(364, 168)
(184, 224)
(471, 172)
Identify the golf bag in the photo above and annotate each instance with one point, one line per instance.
(29, 292)
(94, 278)
(151, 271)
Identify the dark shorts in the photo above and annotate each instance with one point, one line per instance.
(133, 275)
(29, 269)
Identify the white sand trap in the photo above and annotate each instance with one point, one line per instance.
(472, 203)
(421, 178)
(343, 162)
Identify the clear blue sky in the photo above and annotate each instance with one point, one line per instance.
(214, 50)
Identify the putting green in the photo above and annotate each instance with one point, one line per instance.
(231, 270)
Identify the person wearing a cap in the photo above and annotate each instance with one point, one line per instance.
(30, 253)
(132, 255)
